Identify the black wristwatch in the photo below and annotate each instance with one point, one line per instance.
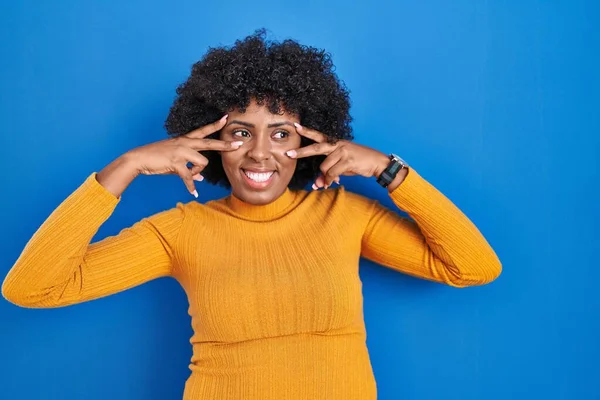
(388, 174)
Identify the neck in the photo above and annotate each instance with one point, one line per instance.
(263, 212)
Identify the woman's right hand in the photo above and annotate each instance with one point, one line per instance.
(171, 156)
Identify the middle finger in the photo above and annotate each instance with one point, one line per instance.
(312, 150)
(211, 144)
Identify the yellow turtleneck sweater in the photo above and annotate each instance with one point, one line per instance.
(274, 291)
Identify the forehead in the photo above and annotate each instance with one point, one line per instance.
(260, 114)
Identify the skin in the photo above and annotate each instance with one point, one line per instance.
(266, 138)
(272, 141)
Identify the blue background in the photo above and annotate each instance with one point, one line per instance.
(496, 103)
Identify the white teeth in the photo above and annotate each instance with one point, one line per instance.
(259, 177)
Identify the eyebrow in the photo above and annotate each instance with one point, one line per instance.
(249, 125)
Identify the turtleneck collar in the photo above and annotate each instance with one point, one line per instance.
(277, 208)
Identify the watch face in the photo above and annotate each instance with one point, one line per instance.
(397, 158)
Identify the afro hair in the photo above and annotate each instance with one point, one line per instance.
(284, 76)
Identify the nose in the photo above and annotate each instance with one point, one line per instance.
(260, 148)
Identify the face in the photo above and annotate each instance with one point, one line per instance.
(259, 171)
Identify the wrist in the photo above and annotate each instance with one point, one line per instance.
(383, 161)
(129, 162)
(117, 175)
(398, 179)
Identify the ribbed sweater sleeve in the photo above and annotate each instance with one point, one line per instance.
(59, 266)
(437, 243)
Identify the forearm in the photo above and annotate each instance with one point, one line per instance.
(440, 243)
(460, 249)
(50, 260)
(118, 175)
(60, 266)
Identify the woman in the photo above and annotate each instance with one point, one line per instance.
(270, 271)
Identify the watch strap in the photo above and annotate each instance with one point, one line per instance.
(390, 172)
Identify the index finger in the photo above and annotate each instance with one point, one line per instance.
(209, 129)
(310, 133)
(210, 144)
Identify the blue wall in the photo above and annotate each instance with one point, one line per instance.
(496, 103)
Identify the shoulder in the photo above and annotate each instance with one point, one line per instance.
(213, 207)
(173, 216)
(342, 197)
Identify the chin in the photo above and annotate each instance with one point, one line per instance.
(261, 191)
(258, 197)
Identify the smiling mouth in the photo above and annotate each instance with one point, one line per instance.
(258, 180)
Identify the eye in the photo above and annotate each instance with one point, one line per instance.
(284, 133)
(234, 133)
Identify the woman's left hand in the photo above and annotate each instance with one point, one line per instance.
(343, 158)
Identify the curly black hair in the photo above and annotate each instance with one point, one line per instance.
(284, 76)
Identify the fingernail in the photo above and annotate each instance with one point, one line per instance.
(195, 193)
(291, 153)
(198, 178)
(297, 125)
(224, 117)
(237, 144)
(315, 187)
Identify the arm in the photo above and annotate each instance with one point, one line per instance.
(59, 266)
(441, 244)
